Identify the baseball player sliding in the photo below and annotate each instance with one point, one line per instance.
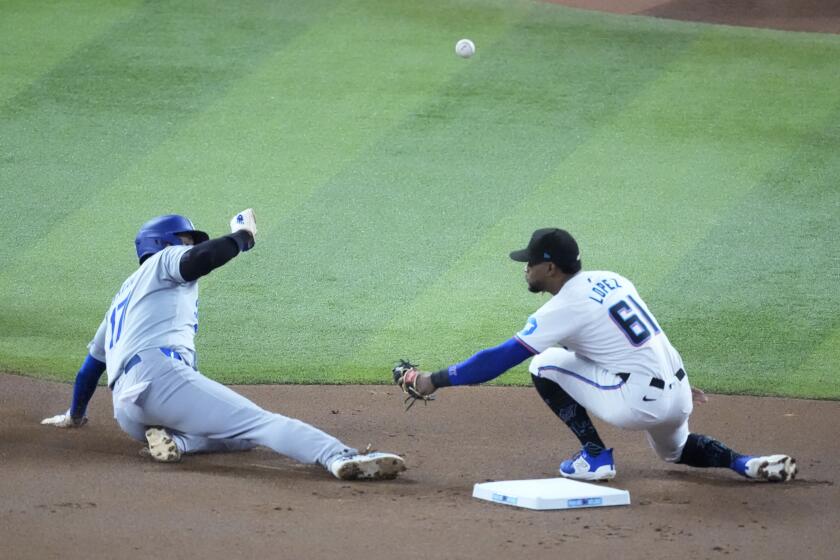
(146, 344)
(598, 348)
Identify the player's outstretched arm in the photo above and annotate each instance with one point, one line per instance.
(482, 366)
(414, 383)
(83, 389)
(210, 255)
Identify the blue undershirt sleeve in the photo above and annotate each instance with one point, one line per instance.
(86, 380)
(486, 364)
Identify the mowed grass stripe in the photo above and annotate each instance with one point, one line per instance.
(378, 234)
(749, 300)
(325, 258)
(330, 256)
(35, 36)
(321, 291)
(820, 366)
(83, 125)
(763, 307)
(606, 191)
(641, 194)
(77, 128)
(271, 139)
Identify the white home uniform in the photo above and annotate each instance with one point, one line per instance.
(597, 339)
(146, 341)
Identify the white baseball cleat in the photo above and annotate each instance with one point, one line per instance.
(161, 446)
(772, 468)
(369, 466)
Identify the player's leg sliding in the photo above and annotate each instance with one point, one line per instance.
(704, 452)
(193, 445)
(172, 387)
(593, 462)
(374, 465)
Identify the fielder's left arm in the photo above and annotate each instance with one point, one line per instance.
(480, 367)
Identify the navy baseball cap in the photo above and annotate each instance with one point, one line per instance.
(550, 245)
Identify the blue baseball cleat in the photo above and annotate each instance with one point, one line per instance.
(583, 466)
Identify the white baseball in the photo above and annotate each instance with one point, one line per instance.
(465, 48)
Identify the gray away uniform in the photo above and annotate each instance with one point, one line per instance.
(147, 342)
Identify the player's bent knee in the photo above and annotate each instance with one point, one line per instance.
(670, 452)
(670, 456)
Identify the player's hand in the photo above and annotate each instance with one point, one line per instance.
(416, 384)
(64, 421)
(423, 383)
(244, 220)
(698, 396)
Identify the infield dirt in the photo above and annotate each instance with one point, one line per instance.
(87, 493)
(821, 16)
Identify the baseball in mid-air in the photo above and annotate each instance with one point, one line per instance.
(465, 48)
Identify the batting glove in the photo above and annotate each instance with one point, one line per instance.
(244, 220)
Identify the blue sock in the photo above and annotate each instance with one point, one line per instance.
(571, 413)
(704, 452)
(739, 464)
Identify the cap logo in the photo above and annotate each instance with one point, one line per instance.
(546, 256)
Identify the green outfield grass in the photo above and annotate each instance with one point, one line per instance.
(391, 178)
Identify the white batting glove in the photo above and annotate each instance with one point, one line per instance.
(244, 220)
(64, 421)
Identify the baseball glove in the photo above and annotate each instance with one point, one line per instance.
(406, 375)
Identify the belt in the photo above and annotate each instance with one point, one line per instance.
(168, 352)
(656, 382)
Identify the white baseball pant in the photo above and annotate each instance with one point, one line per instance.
(632, 404)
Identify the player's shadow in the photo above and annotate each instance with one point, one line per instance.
(261, 465)
(722, 480)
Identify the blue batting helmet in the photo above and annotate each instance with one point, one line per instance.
(163, 231)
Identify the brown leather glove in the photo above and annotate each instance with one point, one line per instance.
(416, 384)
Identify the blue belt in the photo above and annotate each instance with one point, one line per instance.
(168, 352)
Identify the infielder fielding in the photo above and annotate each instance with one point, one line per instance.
(146, 344)
(598, 348)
